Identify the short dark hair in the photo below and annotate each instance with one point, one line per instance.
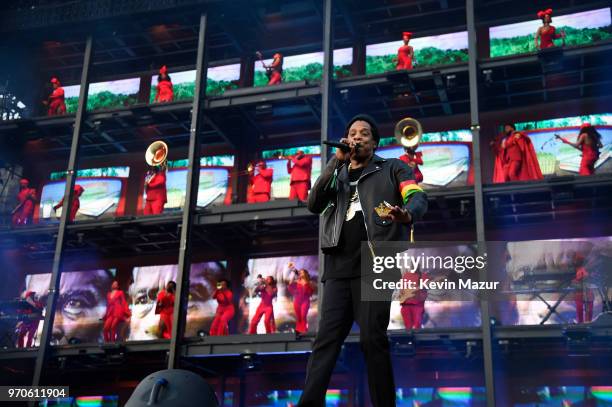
(511, 125)
(365, 118)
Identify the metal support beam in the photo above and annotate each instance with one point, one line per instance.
(326, 105)
(56, 269)
(487, 344)
(193, 180)
(441, 89)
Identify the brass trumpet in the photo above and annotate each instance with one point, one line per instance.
(408, 132)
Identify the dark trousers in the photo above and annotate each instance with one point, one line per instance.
(341, 306)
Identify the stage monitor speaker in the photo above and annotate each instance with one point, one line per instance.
(173, 388)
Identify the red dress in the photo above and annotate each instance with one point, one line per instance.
(57, 105)
(165, 301)
(404, 59)
(590, 155)
(74, 208)
(225, 312)
(301, 293)
(417, 160)
(300, 177)
(165, 91)
(265, 308)
(117, 311)
(261, 186)
(23, 215)
(157, 194)
(547, 37)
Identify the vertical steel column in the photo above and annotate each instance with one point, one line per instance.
(478, 198)
(193, 180)
(56, 269)
(326, 103)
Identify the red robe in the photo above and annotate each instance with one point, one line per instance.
(404, 60)
(517, 161)
(165, 308)
(57, 105)
(165, 91)
(157, 194)
(261, 185)
(23, 215)
(265, 308)
(225, 312)
(74, 208)
(300, 176)
(417, 160)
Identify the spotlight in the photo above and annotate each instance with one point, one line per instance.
(250, 361)
(488, 76)
(405, 347)
(578, 341)
(344, 94)
(464, 204)
(201, 334)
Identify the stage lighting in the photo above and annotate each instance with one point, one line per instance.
(201, 334)
(488, 76)
(405, 347)
(250, 361)
(578, 341)
(464, 205)
(450, 81)
(173, 388)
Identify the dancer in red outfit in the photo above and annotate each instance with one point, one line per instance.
(117, 312)
(515, 157)
(414, 158)
(547, 32)
(301, 288)
(274, 71)
(155, 187)
(584, 295)
(405, 53)
(55, 102)
(165, 91)
(28, 326)
(165, 309)
(26, 198)
(589, 142)
(300, 175)
(267, 290)
(260, 183)
(76, 202)
(412, 301)
(225, 309)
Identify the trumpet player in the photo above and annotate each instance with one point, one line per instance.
(260, 183)
(300, 168)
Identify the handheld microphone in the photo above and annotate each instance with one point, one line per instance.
(344, 147)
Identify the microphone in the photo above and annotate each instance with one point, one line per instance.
(344, 147)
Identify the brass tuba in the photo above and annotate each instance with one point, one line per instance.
(408, 132)
(157, 154)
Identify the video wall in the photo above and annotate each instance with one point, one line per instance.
(557, 158)
(308, 67)
(82, 401)
(148, 281)
(113, 94)
(281, 179)
(282, 398)
(581, 28)
(428, 51)
(573, 276)
(447, 157)
(103, 196)
(219, 79)
(284, 270)
(214, 186)
(80, 307)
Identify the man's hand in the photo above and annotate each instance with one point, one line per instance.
(400, 215)
(341, 155)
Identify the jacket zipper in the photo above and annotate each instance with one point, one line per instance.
(365, 222)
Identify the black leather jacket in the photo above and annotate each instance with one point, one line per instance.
(380, 181)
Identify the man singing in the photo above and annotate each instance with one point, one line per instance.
(350, 188)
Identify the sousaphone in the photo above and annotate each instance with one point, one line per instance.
(408, 132)
(156, 154)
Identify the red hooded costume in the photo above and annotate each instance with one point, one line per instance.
(117, 311)
(26, 198)
(56, 102)
(76, 202)
(515, 159)
(261, 184)
(225, 312)
(157, 195)
(165, 309)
